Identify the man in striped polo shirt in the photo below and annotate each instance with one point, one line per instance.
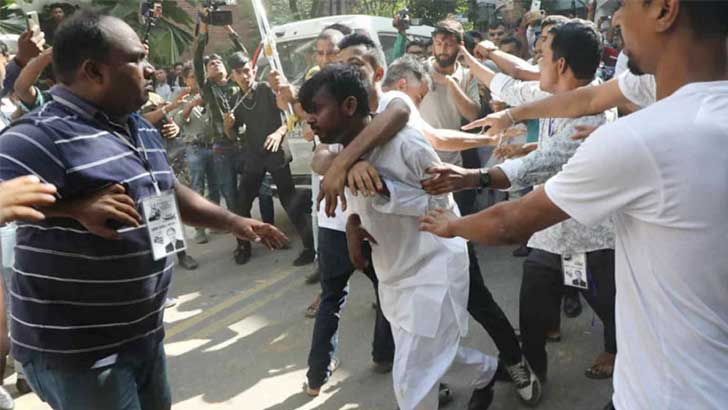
(87, 311)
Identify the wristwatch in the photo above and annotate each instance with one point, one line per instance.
(484, 178)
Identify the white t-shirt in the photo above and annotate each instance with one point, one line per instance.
(662, 174)
(640, 89)
(338, 221)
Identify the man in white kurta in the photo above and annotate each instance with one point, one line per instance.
(423, 279)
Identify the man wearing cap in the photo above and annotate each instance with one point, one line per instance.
(218, 93)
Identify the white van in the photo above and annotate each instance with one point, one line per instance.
(296, 42)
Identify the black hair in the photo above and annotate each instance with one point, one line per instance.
(4, 49)
(580, 44)
(512, 40)
(180, 64)
(709, 18)
(477, 36)
(79, 38)
(186, 70)
(341, 81)
(210, 57)
(373, 52)
(554, 20)
(341, 28)
(237, 59)
(416, 42)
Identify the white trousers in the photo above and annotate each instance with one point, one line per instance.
(420, 362)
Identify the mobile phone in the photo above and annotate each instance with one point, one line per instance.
(33, 21)
(536, 5)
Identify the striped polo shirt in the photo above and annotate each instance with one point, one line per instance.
(77, 298)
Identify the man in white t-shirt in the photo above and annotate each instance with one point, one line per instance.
(646, 171)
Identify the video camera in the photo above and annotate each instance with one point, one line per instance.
(215, 16)
(405, 20)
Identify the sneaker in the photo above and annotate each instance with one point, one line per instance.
(188, 262)
(6, 400)
(241, 255)
(306, 257)
(201, 237)
(526, 381)
(170, 303)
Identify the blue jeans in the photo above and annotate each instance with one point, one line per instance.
(132, 383)
(226, 162)
(336, 269)
(202, 171)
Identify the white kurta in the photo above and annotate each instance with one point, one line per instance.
(423, 279)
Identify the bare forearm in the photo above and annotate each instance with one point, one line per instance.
(379, 131)
(453, 140)
(28, 77)
(155, 117)
(199, 212)
(513, 66)
(583, 101)
(509, 223)
(466, 107)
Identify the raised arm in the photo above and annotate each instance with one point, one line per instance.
(198, 55)
(25, 83)
(583, 101)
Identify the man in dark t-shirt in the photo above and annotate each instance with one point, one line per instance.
(256, 121)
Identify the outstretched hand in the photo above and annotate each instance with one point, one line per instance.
(256, 231)
(437, 222)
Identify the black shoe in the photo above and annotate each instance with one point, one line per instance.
(22, 386)
(188, 262)
(482, 398)
(522, 251)
(242, 255)
(306, 257)
(572, 305)
(444, 395)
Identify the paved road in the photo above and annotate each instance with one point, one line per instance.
(238, 339)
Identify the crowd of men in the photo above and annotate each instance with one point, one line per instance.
(610, 160)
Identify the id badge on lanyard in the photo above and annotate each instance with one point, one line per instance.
(574, 267)
(161, 214)
(164, 224)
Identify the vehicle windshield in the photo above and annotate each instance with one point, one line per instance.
(297, 57)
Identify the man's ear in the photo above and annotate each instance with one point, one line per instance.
(378, 75)
(562, 66)
(667, 13)
(350, 105)
(401, 84)
(93, 71)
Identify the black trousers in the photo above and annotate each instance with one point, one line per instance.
(336, 269)
(484, 309)
(481, 305)
(540, 300)
(296, 203)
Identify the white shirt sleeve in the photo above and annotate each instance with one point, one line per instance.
(640, 89)
(515, 92)
(403, 200)
(600, 178)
